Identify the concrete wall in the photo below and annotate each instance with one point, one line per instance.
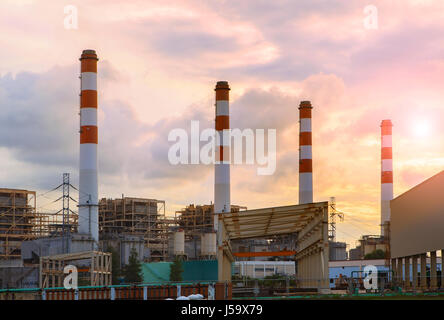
(32, 250)
(19, 277)
(417, 219)
(123, 246)
(127, 244)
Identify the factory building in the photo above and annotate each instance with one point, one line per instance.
(416, 235)
(263, 269)
(54, 246)
(296, 241)
(369, 245)
(139, 223)
(194, 219)
(195, 224)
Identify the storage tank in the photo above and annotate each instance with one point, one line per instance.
(208, 244)
(179, 243)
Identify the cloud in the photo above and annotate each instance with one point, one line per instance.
(35, 117)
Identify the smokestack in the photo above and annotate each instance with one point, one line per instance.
(386, 171)
(305, 154)
(88, 186)
(222, 164)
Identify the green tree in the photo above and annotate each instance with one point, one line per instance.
(176, 270)
(115, 264)
(132, 272)
(377, 254)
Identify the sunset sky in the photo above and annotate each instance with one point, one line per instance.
(159, 63)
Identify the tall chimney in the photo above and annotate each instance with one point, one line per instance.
(88, 185)
(222, 163)
(386, 171)
(305, 154)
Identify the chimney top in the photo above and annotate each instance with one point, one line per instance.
(305, 104)
(386, 123)
(222, 85)
(89, 54)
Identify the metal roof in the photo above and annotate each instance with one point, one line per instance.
(265, 222)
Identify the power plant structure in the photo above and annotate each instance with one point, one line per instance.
(222, 162)
(129, 222)
(196, 224)
(18, 220)
(386, 172)
(305, 154)
(368, 244)
(88, 181)
(215, 242)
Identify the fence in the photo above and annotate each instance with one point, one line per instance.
(354, 284)
(248, 287)
(209, 290)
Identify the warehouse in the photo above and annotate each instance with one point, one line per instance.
(416, 235)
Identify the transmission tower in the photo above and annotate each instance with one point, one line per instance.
(66, 226)
(333, 214)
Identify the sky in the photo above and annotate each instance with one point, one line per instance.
(159, 63)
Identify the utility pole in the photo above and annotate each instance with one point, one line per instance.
(66, 226)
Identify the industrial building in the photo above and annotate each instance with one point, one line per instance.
(193, 232)
(416, 235)
(369, 244)
(338, 251)
(196, 233)
(219, 240)
(263, 269)
(18, 221)
(195, 219)
(140, 223)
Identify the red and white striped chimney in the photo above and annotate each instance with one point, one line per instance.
(222, 163)
(88, 184)
(386, 171)
(305, 154)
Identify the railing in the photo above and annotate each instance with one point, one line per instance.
(146, 291)
(386, 284)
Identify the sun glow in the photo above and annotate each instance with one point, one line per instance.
(421, 129)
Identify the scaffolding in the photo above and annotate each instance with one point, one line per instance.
(138, 217)
(20, 221)
(61, 223)
(17, 221)
(198, 219)
(93, 267)
(48, 224)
